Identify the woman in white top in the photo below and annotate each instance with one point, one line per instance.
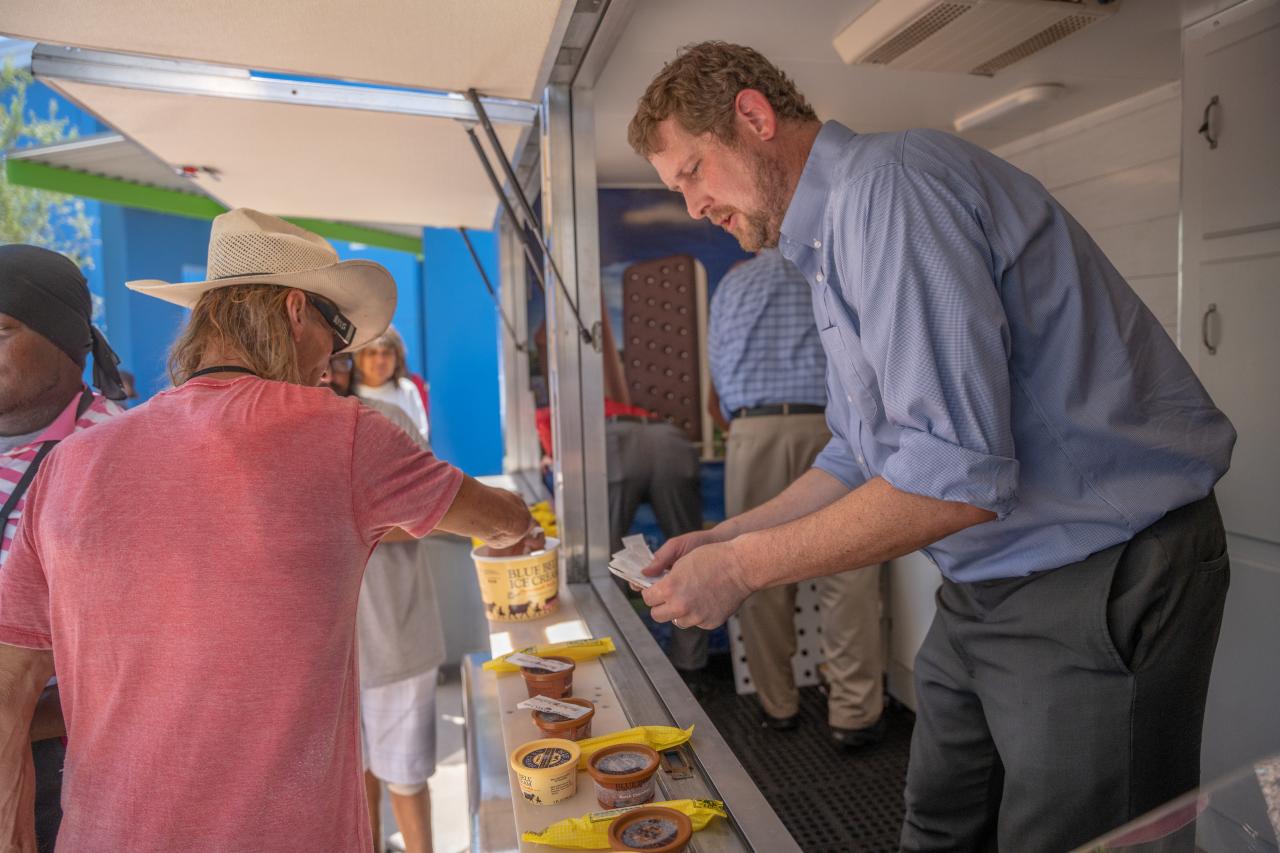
(383, 376)
(400, 644)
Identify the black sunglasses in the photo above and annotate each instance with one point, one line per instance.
(344, 331)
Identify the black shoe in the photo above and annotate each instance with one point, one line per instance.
(854, 739)
(779, 724)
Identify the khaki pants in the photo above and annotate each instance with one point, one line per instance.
(764, 456)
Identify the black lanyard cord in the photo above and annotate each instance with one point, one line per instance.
(222, 368)
(20, 489)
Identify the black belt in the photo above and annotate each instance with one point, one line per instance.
(780, 409)
(632, 419)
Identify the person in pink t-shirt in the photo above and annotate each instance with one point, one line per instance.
(194, 565)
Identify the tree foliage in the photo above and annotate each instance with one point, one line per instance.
(27, 215)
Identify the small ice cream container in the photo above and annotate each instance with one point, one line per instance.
(544, 682)
(547, 770)
(557, 725)
(623, 775)
(654, 829)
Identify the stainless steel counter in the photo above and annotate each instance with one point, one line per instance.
(635, 685)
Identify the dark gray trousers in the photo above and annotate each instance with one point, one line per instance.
(656, 463)
(49, 756)
(1056, 707)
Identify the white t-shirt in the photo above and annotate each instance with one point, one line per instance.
(402, 393)
(397, 619)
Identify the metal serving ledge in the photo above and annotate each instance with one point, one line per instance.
(635, 685)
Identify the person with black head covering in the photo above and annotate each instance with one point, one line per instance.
(45, 336)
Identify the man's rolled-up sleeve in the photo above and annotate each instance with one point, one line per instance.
(936, 334)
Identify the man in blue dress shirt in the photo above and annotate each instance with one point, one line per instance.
(769, 373)
(1003, 401)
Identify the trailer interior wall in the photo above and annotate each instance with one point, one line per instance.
(1230, 302)
(1116, 171)
(1126, 173)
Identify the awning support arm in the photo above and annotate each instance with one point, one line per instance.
(526, 242)
(517, 190)
(478, 105)
(515, 339)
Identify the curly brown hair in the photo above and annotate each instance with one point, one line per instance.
(699, 88)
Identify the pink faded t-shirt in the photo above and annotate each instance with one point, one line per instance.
(195, 564)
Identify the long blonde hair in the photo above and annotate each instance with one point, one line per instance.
(247, 320)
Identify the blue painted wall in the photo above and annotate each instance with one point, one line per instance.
(136, 244)
(462, 351)
(406, 269)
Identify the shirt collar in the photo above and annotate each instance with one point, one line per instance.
(803, 221)
(64, 424)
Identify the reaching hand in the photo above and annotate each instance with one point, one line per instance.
(534, 540)
(673, 549)
(704, 587)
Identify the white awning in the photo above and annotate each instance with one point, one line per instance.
(309, 161)
(124, 162)
(109, 155)
(499, 47)
(194, 84)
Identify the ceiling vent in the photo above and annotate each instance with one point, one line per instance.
(963, 36)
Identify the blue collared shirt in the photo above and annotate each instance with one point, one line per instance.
(762, 344)
(981, 348)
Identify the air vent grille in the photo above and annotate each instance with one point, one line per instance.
(1037, 42)
(928, 24)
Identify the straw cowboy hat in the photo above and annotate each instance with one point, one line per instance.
(248, 247)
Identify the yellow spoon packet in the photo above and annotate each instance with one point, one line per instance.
(546, 518)
(591, 832)
(657, 738)
(574, 650)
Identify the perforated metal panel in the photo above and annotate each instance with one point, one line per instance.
(1036, 43)
(804, 664)
(662, 339)
(915, 33)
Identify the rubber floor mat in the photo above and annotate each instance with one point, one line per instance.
(829, 801)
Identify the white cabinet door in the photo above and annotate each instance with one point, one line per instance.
(1241, 190)
(1230, 327)
(1244, 378)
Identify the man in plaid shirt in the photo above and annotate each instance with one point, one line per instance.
(769, 373)
(45, 337)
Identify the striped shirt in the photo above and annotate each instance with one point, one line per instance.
(762, 343)
(15, 461)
